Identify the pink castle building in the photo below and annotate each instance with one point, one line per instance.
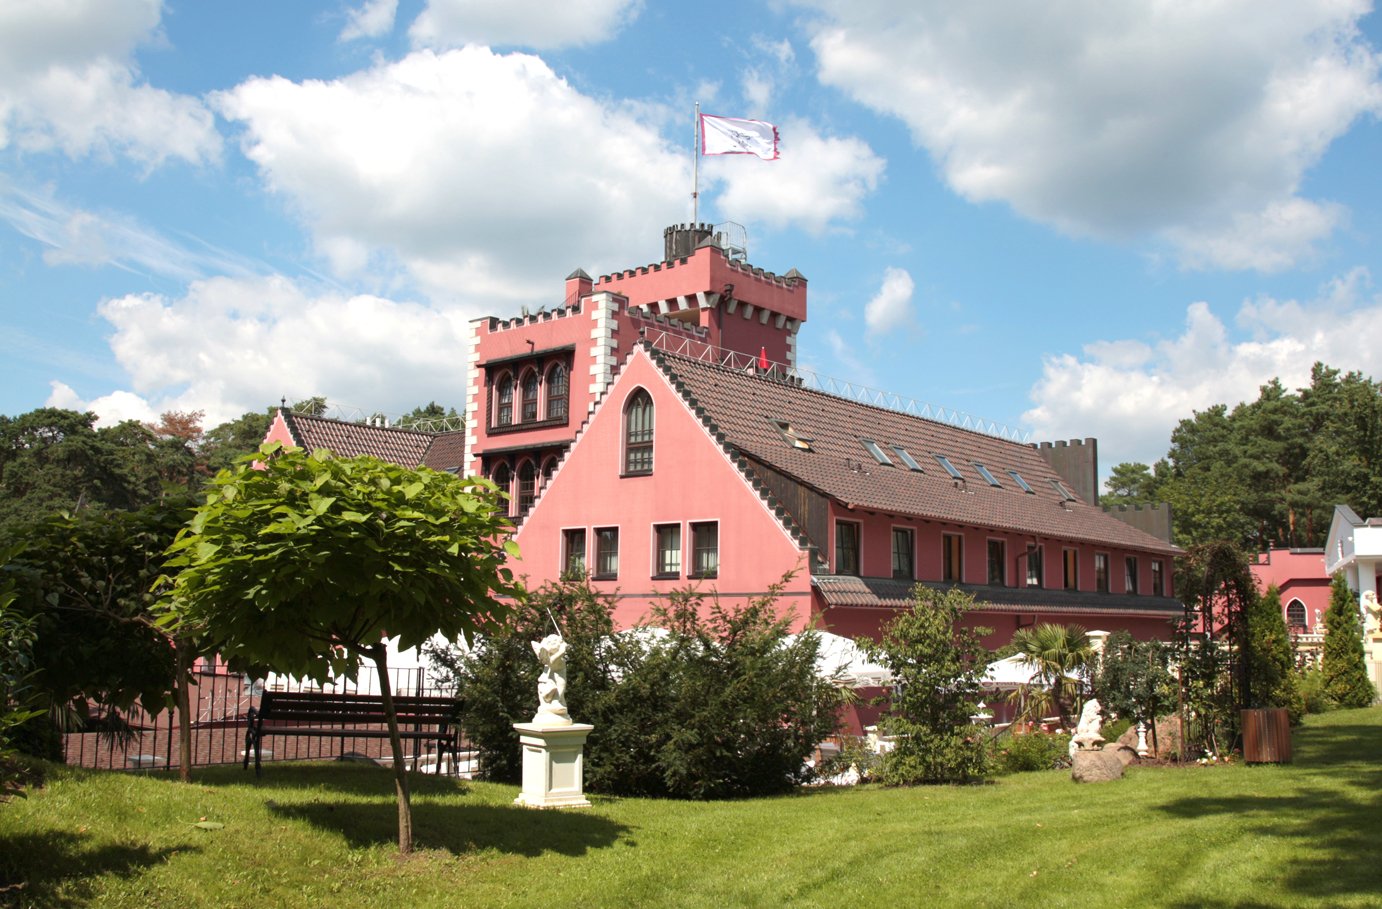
(1304, 584)
(654, 431)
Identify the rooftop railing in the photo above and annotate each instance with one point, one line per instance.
(682, 346)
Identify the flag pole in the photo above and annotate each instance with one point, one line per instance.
(696, 171)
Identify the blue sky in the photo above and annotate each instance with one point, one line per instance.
(1085, 219)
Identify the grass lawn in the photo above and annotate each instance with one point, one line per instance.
(1309, 834)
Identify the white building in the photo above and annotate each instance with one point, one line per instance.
(1354, 546)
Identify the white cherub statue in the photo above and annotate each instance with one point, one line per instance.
(551, 685)
(1372, 613)
(1087, 735)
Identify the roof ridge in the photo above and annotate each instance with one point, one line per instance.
(834, 397)
(352, 423)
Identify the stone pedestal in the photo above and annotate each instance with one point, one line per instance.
(553, 766)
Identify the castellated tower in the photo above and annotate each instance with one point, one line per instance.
(533, 379)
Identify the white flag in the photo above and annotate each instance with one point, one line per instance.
(728, 136)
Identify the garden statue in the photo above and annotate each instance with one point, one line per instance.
(1087, 735)
(1372, 613)
(551, 685)
(552, 745)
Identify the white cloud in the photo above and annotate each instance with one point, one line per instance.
(1192, 124)
(1131, 394)
(68, 82)
(236, 344)
(485, 176)
(891, 308)
(78, 237)
(111, 409)
(538, 24)
(817, 180)
(373, 19)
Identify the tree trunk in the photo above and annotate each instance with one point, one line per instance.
(400, 769)
(184, 670)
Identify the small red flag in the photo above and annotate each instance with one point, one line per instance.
(763, 358)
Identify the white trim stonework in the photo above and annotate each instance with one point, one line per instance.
(472, 393)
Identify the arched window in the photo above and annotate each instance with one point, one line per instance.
(530, 384)
(502, 478)
(527, 487)
(638, 434)
(558, 388)
(503, 401)
(1295, 614)
(548, 469)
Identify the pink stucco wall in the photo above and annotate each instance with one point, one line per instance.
(1299, 576)
(692, 480)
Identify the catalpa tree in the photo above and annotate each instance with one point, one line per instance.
(307, 563)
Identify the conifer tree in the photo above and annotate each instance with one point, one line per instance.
(1271, 665)
(1345, 675)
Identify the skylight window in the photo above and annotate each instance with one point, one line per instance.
(1065, 494)
(984, 472)
(949, 468)
(907, 458)
(1021, 482)
(791, 436)
(877, 452)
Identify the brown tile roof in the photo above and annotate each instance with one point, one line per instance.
(405, 447)
(740, 406)
(447, 452)
(886, 593)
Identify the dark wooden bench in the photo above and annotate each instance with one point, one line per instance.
(309, 713)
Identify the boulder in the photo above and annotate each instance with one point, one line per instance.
(1095, 767)
(1129, 738)
(1125, 754)
(1167, 742)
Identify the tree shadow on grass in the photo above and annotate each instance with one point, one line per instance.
(463, 828)
(1334, 831)
(345, 777)
(55, 869)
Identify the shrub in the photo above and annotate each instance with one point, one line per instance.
(722, 705)
(1120, 726)
(936, 664)
(1312, 692)
(1271, 666)
(1345, 673)
(1032, 751)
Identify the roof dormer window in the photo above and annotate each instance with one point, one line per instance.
(1017, 478)
(1065, 494)
(877, 452)
(907, 458)
(984, 472)
(949, 468)
(791, 436)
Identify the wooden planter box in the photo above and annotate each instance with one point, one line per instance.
(1267, 736)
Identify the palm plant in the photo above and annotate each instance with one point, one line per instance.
(1056, 652)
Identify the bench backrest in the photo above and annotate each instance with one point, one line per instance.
(322, 707)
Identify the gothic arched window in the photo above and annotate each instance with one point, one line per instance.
(503, 478)
(503, 401)
(548, 469)
(638, 434)
(1295, 614)
(527, 487)
(558, 388)
(530, 385)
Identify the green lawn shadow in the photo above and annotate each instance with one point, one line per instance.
(461, 829)
(345, 777)
(1339, 852)
(68, 867)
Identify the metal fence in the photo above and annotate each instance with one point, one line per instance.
(220, 703)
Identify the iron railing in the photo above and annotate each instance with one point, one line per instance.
(221, 703)
(680, 345)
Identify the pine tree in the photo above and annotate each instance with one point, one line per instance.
(1345, 675)
(1271, 667)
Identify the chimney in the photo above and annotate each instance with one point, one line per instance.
(681, 240)
(578, 284)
